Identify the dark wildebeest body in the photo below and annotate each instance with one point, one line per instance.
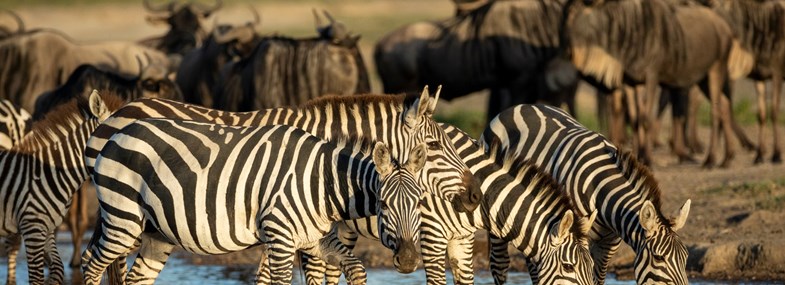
(503, 45)
(185, 26)
(759, 27)
(41, 60)
(654, 42)
(288, 72)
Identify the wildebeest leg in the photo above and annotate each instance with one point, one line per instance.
(12, 245)
(643, 122)
(692, 122)
(665, 97)
(760, 89)
(679, 98)
(499, 259)
(603, 113)
(776, 156)
(460, 252)
(746, 143)
(77, 221)
(499, 100)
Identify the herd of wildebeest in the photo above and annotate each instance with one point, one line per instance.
(641, 55)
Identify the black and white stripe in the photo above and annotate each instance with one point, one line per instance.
(39, 176)
(598, 177)
(214, 189)
(522, 204)
(14, 124)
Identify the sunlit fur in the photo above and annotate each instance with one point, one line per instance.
(14, 124)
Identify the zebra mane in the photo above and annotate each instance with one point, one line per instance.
(364, 99)
(525, 171)
(356, 144)
(636, 171)
(61, 120)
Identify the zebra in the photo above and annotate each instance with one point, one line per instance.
(400, 121)
(510, 186)
(598, 177)
(14, 124)
(39, 176)
(288, 188)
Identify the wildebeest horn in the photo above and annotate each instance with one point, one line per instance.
(141, 66)
(209, 10)
(329, 17)
(256, 18)
(19, 23)
(317, 19)
(168, 7)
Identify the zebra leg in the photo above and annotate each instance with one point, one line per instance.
(349, 239)
(434, 249)
(332, 250)
(314, 268)
(153, 253)
(53, 261)
(35, 240)
(12, 245)
(460, 253)
(601, 251)
(280, 258)
(499, 259)
(113, 238)
(77, 221)
(263, 272)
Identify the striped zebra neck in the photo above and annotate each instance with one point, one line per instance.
(645, 187)
(354, 194)
(511, 185)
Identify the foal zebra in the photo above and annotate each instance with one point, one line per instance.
(14, 124)
(398, 121)
(38, 178)
(598, 177)
(214, 189)
(521, 203)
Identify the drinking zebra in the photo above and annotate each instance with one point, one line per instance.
(598, 177)
(522, 204)
(287, 189)
(14, 124)
(39, 176)
(396, 120)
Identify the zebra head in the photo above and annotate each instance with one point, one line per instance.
(445, 173)
(566, 258)
(399, 205)
(662, 259)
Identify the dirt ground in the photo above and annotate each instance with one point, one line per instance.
(736, 223)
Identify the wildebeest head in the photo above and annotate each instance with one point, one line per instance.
(242, 39)
(6, 31)
(154, 82)
(335, 31)
(185, 22)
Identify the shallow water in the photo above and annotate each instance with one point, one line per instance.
(179, 271)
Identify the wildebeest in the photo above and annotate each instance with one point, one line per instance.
(759, 26)
(284, 71)
(6, 31)
(654, 42)
(502, 45)
(185, 25)
(41, 60)
(201, 68)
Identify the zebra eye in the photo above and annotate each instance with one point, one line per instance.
(569, 268)
(434, 145)
(150, 85)
(658, 257)
(383, 206)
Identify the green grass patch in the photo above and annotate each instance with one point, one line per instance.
(764, 194)
(472, 122)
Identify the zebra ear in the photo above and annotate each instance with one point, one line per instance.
(434, 100)
(681, 216)
(381, 158)
(648, 218)
(588, 222)
(417, 158)
(97, 106)
(417, 109)
(560, 231)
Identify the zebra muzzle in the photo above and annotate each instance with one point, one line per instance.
(406, 258)
(470, 199)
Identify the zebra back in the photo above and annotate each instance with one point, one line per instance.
(598, 176)
(401, 122)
